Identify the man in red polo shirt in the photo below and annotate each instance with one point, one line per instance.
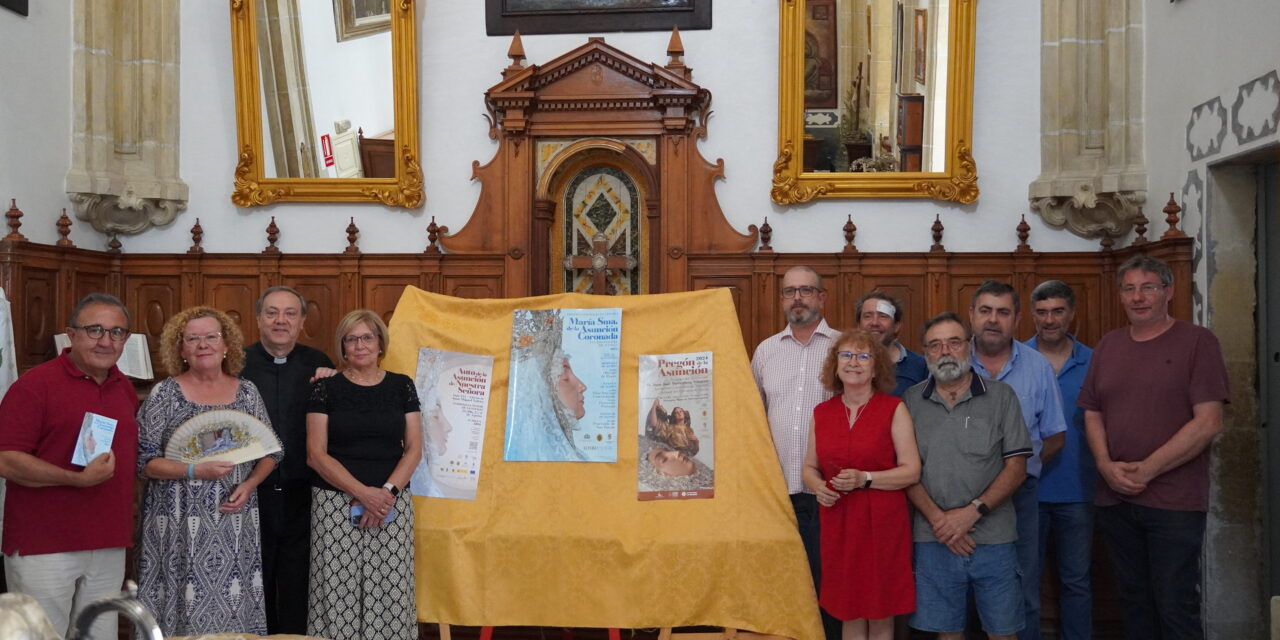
(66, 525)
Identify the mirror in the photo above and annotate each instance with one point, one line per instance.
(875, 100)
(326, 102)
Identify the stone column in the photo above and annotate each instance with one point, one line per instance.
(124, 145)
(1093, 176)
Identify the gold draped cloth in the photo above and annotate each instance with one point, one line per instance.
(567, 544)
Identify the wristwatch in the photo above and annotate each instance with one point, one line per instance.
(395, 491)
(983, 509)
(868, 484)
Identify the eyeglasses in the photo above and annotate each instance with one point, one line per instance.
(849, 355)
(1146, 289)
(290, 314)
(937, 346)
(95, 331)
(212, 338)
(804, 292)
(367, 340)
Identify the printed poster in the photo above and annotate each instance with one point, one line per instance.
(562, 400)
(677, 427)
(453, 389)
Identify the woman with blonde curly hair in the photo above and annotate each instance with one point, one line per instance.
(200, 557)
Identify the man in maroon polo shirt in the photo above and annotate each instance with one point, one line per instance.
(66, 525)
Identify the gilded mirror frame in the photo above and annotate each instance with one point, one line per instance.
(253, 188)
(958, 181)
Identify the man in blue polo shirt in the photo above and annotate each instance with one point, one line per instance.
(993, 314)
(1067, 483)
(881, 314)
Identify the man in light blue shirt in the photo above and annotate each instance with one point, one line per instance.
(1068, 482)
(993, 313)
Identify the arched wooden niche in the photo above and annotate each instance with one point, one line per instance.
(597, 141)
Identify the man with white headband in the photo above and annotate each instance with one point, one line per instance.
(881, 314)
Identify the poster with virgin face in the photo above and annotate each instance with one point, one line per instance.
(676, 427)
(562, 400)
(453, 389)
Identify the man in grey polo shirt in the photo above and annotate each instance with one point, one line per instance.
(973, 448)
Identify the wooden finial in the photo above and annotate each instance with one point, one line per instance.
(113, 246)
(937, 234)
(766, 233)
(352, 232)
(197, 235)
(64, 230)
(14, 214)
(1171, 212)
(516, 53)
(1107, 242)
(1141, 223)
(850, 230)
(1024, 230)
(675, 53)
(273, 234)
(434, 231)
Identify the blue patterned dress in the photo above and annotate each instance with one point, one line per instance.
(199, 570)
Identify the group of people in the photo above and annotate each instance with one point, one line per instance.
(923, 485)
(315, 539)
(932, 485)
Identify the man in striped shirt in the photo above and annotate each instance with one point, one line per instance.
(786, 368)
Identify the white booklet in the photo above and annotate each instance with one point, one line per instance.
(96, 434)
(135, 361)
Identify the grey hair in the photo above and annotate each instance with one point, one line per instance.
(1150, 265)
(99, 298)
(262, 299)
(1054, 289)
(945, 316)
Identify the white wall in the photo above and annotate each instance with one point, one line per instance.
(333, 68)
(1196, 52)
(736, 61)
(35, 120)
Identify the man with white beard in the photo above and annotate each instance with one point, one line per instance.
(973, 449)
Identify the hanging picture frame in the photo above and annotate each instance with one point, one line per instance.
(505, 17)
(358, 18)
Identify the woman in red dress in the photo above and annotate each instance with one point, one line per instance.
(862, 454)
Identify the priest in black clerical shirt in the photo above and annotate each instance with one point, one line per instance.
(283, 371)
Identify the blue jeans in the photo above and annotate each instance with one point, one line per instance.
(1155, 554)
(1026, 503)
(806, 507)
(944, 579)
(1071, 525)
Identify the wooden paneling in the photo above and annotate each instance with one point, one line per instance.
(44, 283)
(36, 318)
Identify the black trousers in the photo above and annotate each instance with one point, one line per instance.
(285, 514)
(805, 506)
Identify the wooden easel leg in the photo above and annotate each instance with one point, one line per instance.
(486, 633)
(445, 632)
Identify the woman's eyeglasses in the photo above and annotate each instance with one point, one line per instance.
(849, 355)
(212, 338)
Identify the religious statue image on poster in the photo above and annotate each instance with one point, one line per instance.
(562, 399)
(453, 389)
(677, 427)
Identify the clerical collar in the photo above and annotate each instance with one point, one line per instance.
(280, 360)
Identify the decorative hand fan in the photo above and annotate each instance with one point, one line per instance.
(221, 435)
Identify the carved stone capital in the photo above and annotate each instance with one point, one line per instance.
(1091, 214)
(123, 214)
